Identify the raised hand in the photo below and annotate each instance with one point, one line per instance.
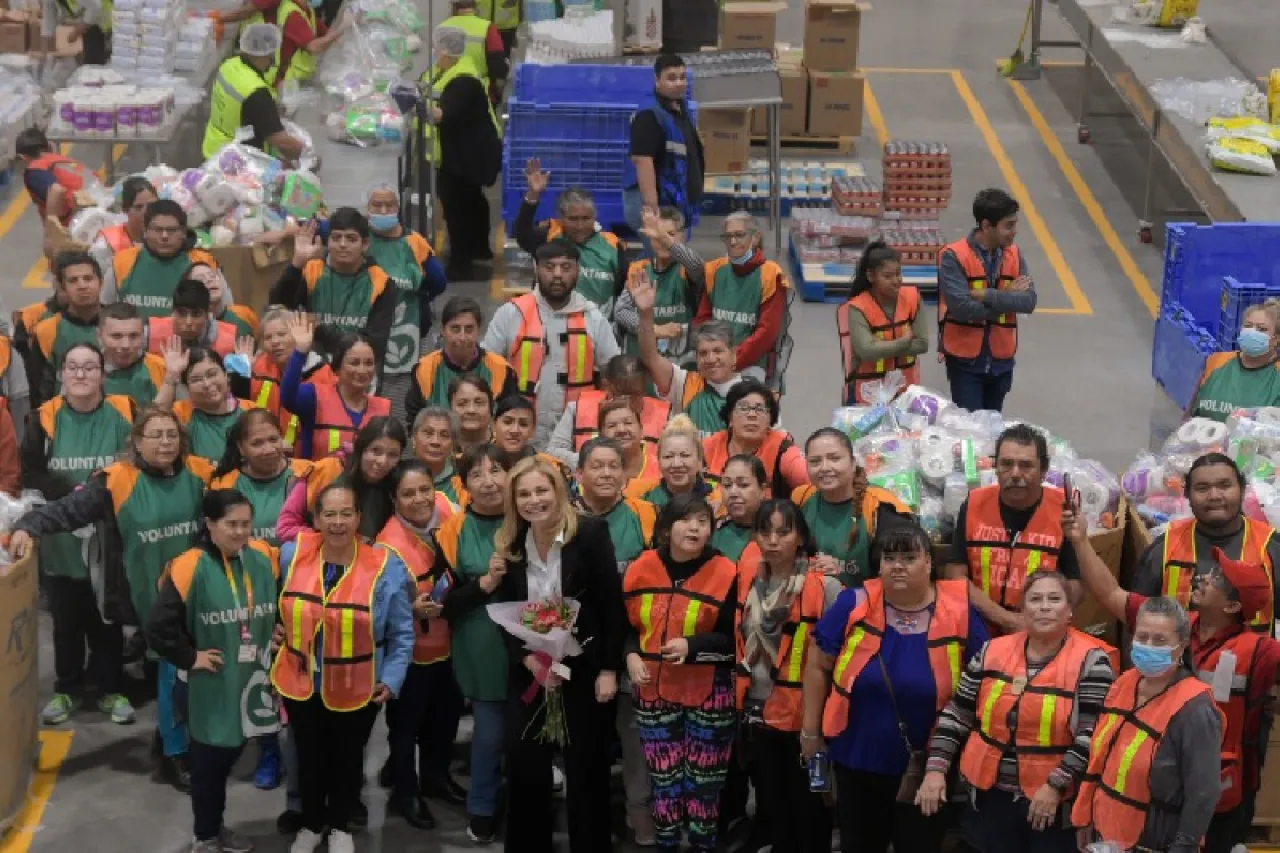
(537, 177)
(303, 330)
(306, 245)
(643, 291)
(176, 359)
(247, 347)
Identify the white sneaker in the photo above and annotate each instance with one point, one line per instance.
(557, 780)
(341, 842)
(306, 841)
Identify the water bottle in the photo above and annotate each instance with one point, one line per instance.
(819, 773)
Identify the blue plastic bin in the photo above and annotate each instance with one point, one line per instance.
(584, 124)
(627, 85)
(1178, 353)
(1198, 257)
(1237, 298)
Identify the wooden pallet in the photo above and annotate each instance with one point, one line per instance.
(839, 144)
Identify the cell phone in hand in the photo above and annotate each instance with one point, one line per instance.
(441, 587)
(1073, 498)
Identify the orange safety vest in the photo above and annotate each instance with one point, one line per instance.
(661, 611)
(964, 340)
(1116, 791)
(70, 175)
(334, 428)
(430, 639)
(998, 565)
(1180, 563)
(160, 331)
(1044, 706)
(555, 229)
(349, 673)
(857, 372)
(586, 420)
(948, 635)
(117, 238)
(783, 709)
(425, 372)
(1235, 711)
(264, 389)
(715, 449)
(531, 347)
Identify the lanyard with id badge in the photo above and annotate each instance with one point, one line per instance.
(248, 651)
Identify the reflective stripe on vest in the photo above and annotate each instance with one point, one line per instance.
(783, 708)
(334, 430)
(1236, 711)
(586, 420)
(302, 63)
(531, 347)
(464, 67)
(1179, 561)
(235, 81)
(348, 668)
(430, 638)
(964, 339)
(715, 451)
(998, 565)
(857, 373)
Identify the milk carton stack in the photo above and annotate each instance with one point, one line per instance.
(195, 47)
(145, 35)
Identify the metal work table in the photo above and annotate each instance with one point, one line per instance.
(1131, 68)
(157, 142)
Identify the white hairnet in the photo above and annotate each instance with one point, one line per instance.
(260, 40)
(450, 41)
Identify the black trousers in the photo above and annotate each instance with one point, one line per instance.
(77, 622)
(1004, 826)
(330, 760)
(466, 217)
(587, 759)
(210, 769)
(870, 818)
(1228, 829)
(96, 46)
(796, 820)
(423, 720)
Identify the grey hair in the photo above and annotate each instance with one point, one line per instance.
(438, 412)
(1169, 609)
(572, 196)
(274, 312)
(450, 41)
(714, 330)
(380, 186)
(748, 221)
(672, 214)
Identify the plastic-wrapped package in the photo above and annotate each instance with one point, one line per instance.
(919, 400)
(12, 509)
(1201, 100)
(86, 223)
(1247, 156)
(308, 159)
(302, 194)
(368, 121)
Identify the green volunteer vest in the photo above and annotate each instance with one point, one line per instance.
(69, 334)
(242, 326)
(669, 306)
(208, 433)
(235, 81)
(477, 30)
(396, 259)
(302, 63)
(133, 381)
(156, 523)
(658, 496)
(81, 443)
(731, 540)
(226, 707)
(505, 17)
(626, 533)
(342, 300)
(1234, 386)
(476, 645)
(149, 285)
(444, 483)
(736, 301)
(267, 499)
(597, 272)
(831, 526)
(704, 411)
(445, 374)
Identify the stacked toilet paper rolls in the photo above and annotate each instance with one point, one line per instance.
(1202, 434)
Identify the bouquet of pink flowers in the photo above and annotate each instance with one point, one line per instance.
(546, 627)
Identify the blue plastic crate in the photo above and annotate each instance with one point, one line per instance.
(1178, 353)
(1237, 298)
(584, 124)
(603, 84)
(1198, 257)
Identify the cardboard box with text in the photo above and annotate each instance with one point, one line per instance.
(749, 26)
(831, 31)
(793, 113)
(835, 103)
(726, 139)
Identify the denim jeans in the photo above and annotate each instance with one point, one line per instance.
(173, 734)
(292, 783)
(973, 390)
(632, 208)
(486, 757)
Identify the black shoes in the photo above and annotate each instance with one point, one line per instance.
(384, 775)
(359, 816)
(445, 790)
(414, 811)
(482, 830)
(289, 822)
(174, 771)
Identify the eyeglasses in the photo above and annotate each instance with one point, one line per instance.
(171, 435)
(751, 408)
(166, 230)
(81, 369)
(735, 236)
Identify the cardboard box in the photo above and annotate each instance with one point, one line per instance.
(793, 113)
(643, 27)
(19, 684)
(749, 26)
(831, 29)
(253, 270)
(835, 103)
(14, 35)
(726, 139)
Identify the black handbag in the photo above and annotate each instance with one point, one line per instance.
(916, 758)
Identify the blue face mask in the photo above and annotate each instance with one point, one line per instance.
(742, 260)
(1151, 660)
(383, 221)
(1254, 343)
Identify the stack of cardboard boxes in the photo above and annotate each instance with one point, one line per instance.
(20, 33)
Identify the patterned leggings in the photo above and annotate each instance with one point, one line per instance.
(687, 750)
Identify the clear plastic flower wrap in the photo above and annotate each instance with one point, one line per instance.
(308, 159)
(367, 121)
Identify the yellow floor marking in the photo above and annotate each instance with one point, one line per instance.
(876, 118)
(877, 69)
(54, 746)
(22, 199)
(1069, 171)
(1079, 302)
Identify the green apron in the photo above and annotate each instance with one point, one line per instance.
(1234, 386)
(670, 306)
(156, 523)
(626, 533)
(731, 540)
(68, 335)
(598, 272)
(658, 496)
(736, 301)
(208, 433)
(704, 410)
(267, 499)
(226, 707)
(831, 525)
(476, 644)
(342, 300)
(397, 260)
(82, 442)
(242, 326)
(445, 485)
(134, 381)
(149, 285)
(445, 374)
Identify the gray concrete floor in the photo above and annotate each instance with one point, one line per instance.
(1083, 364)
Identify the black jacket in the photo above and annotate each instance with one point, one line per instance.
(589, 575)
(470, 148)
(291, 292)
